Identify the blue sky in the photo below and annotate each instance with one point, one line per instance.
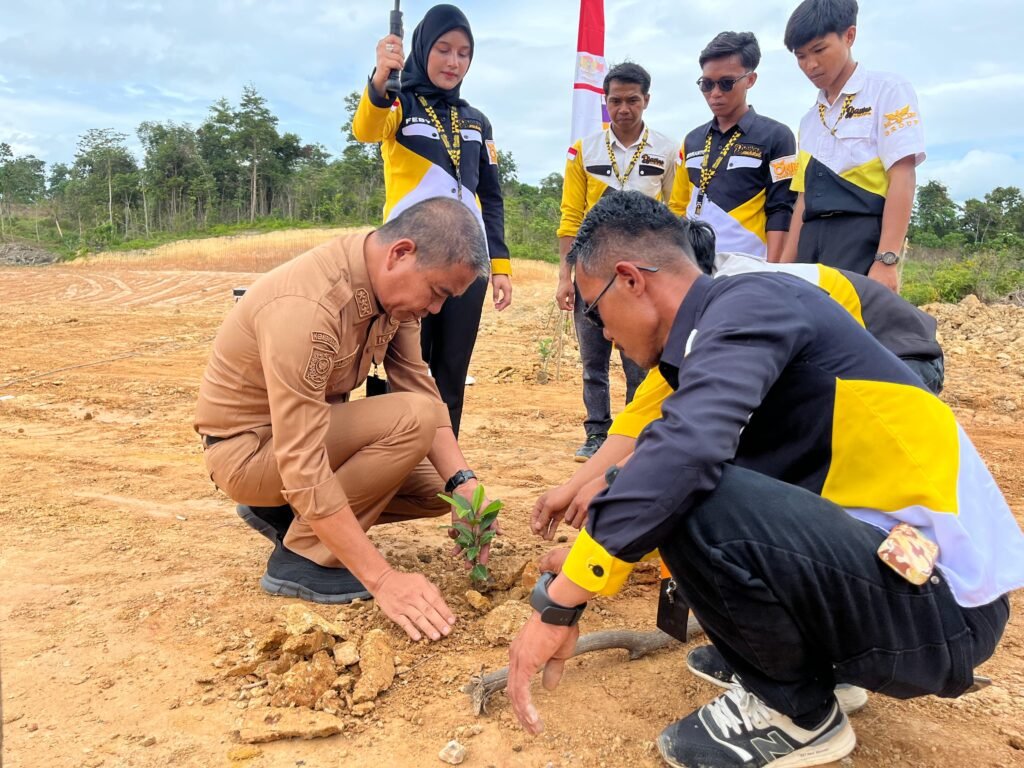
(70, 65)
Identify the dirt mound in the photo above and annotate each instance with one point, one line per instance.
(23, 254)
(995, 328)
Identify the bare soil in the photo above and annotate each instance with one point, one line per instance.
(129, 586)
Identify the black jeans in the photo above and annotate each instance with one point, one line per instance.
(447, 340)
(596, 354)
(790, 590)
(932, 371)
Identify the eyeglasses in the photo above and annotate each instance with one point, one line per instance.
(590, 310)
(725, 84)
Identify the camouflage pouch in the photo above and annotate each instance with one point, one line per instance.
(909, 553)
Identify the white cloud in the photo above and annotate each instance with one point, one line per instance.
(974, 174)
(69, 66)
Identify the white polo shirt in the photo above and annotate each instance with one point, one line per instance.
(847, 147)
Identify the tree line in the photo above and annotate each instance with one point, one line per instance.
(237, 169)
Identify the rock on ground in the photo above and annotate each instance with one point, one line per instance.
(377, 665)
(298, 620)
(305, 682)
(261, 725)
(504, 622)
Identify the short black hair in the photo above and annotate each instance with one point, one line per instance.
(631, 221)
(702, 240)
(817, 18)
(628, 72)
(446, 232)
(742, 44)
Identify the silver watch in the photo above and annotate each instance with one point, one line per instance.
(888, 258)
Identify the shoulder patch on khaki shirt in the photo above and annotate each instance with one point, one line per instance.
(326, 339)
(363, 304)
(318, 368)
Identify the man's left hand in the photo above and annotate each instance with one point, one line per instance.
(886, 274)
(537, 645)
(501, 289)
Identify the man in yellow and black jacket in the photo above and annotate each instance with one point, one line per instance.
(793, 443)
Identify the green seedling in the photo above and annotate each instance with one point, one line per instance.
(546, 349)
(474, 529)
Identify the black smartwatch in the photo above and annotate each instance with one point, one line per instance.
(550, 611)
(458, 479)
(888, 258)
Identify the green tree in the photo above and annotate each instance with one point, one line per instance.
(935, 212)
(255, 137)
(98, 150)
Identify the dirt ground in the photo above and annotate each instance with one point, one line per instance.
(129, 585)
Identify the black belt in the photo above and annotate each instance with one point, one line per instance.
(209, 440)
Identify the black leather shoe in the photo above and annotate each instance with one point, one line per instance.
(271, 522)
(292, 575)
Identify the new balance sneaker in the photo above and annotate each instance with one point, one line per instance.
(738, 730)
(589, 448)
(271, 522)
(708, 664)
(292, 575)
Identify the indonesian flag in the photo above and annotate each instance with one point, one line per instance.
(589, 113)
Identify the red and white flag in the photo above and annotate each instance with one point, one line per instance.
(589, 113)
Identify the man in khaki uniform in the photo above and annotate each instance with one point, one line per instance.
(279, 431)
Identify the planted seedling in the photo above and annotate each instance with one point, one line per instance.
(474, 529)
(545, 348)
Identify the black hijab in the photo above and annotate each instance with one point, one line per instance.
(439, 20)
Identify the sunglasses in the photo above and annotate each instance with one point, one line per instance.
(725, 84)
(590, 310)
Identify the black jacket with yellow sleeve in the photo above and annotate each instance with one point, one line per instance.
(417, 165)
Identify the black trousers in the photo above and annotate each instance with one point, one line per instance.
(447, 340)
(790, 590)
(845, 241)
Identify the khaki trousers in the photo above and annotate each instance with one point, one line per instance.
(377, 448)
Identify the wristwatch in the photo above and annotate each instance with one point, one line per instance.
(460, 477)
(888, 258)
(550, 611)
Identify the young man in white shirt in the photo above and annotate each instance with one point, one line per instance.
(858, 150)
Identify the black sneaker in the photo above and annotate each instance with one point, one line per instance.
(589, 448)
(738, 730)
(708, 664)
(292, 575)
(271, 522)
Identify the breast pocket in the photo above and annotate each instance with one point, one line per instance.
(744, 162)
(342, 370)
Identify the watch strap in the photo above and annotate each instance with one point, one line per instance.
(460, 477)
(550, 611)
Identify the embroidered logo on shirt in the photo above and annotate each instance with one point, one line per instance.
(318, 368)
(859, 112)
(571, 155)
(900, 119)
(748, 150)
(326, 339)
(384, 338)
(652, 160)
(783, 168)
(492, 152)
(363, 304)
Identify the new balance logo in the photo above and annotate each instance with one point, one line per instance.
(772, 746)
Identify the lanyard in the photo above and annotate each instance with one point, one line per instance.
(629, 168)
(707, 174)
(452, 146)
(845, 111)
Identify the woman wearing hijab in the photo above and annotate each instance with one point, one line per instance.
(435, 144)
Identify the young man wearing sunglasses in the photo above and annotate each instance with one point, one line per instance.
(859, 147)
(628, 155)
(736, 167)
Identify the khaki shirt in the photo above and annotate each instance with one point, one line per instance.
(303, 337)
